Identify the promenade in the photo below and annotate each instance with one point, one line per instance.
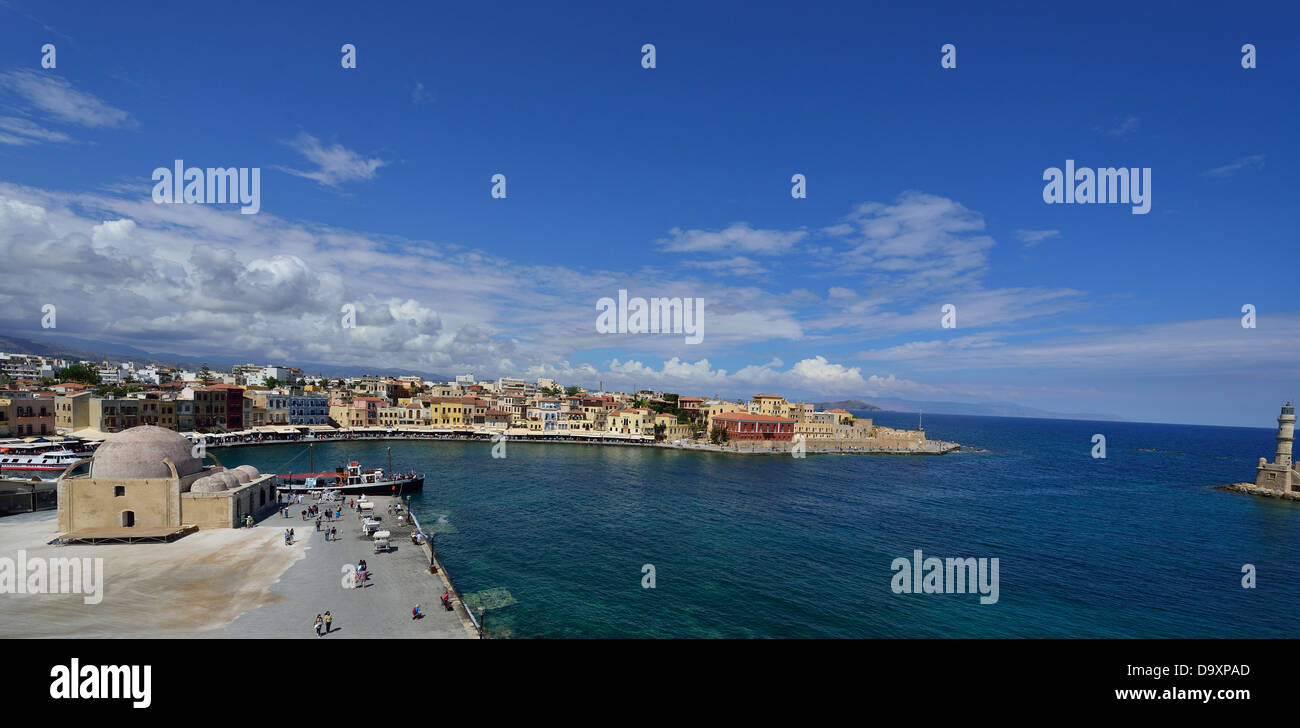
(759, 447)
(380, 608)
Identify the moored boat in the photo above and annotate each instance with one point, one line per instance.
(354, 480)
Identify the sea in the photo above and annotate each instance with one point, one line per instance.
(582, 541)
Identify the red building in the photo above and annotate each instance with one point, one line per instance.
(750, 426)
(234, 405)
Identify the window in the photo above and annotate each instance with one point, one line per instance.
(119, 490)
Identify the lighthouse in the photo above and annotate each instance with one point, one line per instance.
(1285, 435)
(1280, 475)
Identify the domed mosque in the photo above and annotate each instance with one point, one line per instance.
(149, 479)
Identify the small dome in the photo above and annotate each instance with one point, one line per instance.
(207, 484)
(250, 471)
(227, 478)
(139, 452)
(240, 475)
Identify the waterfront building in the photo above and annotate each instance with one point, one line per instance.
(637, 421)
(308, 408)
(72, 411)
(496, 419)
(755, 426)
(770, 404)
(157, 409)
(710, 409)
(148, 478)
(201, 409)
(673, 430)
(27, 415)
(1280, 475)
(233, 409)
(111, 414)
(348, 414)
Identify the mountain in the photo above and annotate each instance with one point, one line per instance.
(846, 404)
(66, 347)
(987, 409)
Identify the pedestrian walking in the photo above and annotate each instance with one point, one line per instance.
(329, 622)
(320, 622)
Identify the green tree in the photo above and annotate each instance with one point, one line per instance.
(718, 434)
(205, 375)
(661, 431)
(572, 390)
(270, 382)
(82, 373)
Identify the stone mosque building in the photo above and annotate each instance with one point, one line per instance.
(148, 479)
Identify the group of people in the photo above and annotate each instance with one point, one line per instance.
(324, 622)
(288, 537)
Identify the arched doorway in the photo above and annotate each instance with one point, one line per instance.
(128, 519)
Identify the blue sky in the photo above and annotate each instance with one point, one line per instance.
(924, 188)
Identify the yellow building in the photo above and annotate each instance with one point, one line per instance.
(713, 408)
(771, 404)
(447, 412)
(348, 415)
(672, 429)
(631, 421)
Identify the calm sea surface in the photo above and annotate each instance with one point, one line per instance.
(1136, 545)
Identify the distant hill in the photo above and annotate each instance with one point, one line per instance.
(988, 409)
(78, 349)
(846, 404)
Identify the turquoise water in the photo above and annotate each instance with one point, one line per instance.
(1136, 545)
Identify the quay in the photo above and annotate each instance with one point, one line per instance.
(239, 583)
(279, 436)
(378, 609)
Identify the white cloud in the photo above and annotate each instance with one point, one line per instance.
(739, 237)
(919, 241)
(1254, 161)
(1033, 237)
(55, 97)
(335, 164)
(1124, 127)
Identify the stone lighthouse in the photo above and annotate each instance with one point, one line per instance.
(1280, 475)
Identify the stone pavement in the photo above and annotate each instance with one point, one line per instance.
(399, 580)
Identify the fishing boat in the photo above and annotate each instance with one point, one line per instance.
(354, 480)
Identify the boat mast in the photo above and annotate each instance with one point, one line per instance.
(311, 459)
(390, 462)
